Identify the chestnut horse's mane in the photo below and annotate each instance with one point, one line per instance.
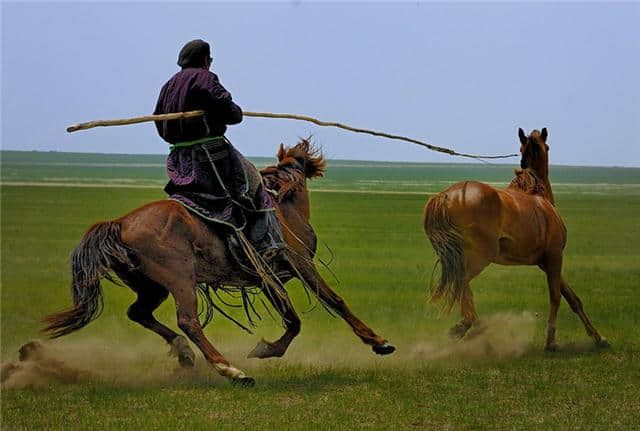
(527, 181)
(295, 165)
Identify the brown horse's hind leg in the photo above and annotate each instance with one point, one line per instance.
(150, 296)
(468, 312)
(265, 349)
(336, 303)
(474, 265)
(187, 312)
(576, 306)
(553, 269)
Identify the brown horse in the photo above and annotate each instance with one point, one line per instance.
(471, 225)
(162, 248)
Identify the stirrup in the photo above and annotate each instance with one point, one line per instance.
(272, 252)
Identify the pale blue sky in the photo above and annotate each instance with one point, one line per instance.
(460, 75)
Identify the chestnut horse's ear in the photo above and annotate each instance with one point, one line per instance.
(522, 136)
(280, 154)
(543, 134)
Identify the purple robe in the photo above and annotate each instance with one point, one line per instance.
(215, 181)
(212, 178)
(189, 90)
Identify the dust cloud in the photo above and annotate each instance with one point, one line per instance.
(496, 337)
(44, 363)
(502, 335)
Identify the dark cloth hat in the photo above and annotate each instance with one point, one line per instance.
(194, 54)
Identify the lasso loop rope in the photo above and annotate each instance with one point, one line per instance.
(181, 115)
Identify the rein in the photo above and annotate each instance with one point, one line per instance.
(291, 178)
(286, 183)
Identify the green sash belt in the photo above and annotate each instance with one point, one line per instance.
(194, 142)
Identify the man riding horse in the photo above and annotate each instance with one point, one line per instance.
(206, 173)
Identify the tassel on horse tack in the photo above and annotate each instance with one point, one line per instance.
(259, 265)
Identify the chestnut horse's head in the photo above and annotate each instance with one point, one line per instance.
(534, 150)
(303, 156)
(295, 165)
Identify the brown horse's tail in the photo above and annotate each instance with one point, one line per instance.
(446, 239)
(100, 250)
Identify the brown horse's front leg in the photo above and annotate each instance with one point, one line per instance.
(189, 323)
(277, 349)
(317, 285)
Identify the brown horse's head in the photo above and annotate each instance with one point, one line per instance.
(295, 165)
(534, 150)
(534, 176)
(303, 156)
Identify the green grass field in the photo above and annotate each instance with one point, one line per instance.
(328, 379)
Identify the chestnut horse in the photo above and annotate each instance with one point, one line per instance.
(161, 248)
(471, 225)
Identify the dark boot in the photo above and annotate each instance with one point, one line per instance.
(266, 235)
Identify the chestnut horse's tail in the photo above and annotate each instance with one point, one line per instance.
(100, 250)
(446, 239)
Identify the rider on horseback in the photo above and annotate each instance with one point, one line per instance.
(206, 173)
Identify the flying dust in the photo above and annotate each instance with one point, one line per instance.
(499, 336)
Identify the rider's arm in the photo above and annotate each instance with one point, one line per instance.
(161, 125)
(219, 102)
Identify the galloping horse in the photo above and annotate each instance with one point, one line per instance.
(162, 248)
(471, 225)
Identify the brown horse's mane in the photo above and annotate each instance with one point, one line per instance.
(528, 182)
(295, 165)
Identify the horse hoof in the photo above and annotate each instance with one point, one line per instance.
(180, 348)
(245, 382)
(186, 359)
(458, 331)
(551, 347)
(603, 344)
(384, 349)
(31, 351)
(263, 349)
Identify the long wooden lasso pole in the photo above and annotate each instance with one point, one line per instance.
(189, 114)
